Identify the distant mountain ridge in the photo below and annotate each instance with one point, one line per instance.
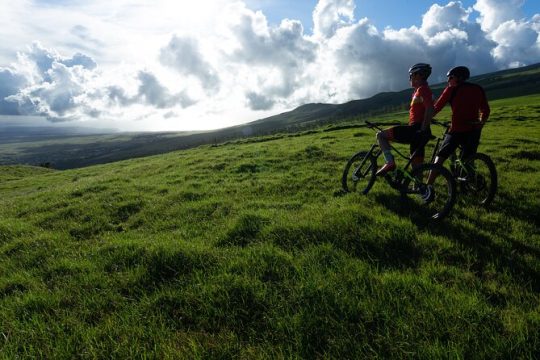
(500, 84)
(83, 150)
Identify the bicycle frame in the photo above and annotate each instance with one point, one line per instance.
(458, 166)
(439, 139)
(446, 125)
(454, 158)
(402, 173)
(434, 199)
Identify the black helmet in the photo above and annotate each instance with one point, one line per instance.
(421, 68)
(460, 72)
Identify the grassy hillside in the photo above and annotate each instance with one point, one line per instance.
(79, 151)
(248, 250)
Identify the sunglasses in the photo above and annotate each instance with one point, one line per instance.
(451, 77)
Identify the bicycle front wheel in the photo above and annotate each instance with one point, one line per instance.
(432, 198)
(359, 173)
(477, 179)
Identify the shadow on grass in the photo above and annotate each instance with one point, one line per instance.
(404, 207)
(352, 231)
(223, 303)
(519, 207)
(511, 259)
(392, 247)
(244, 232)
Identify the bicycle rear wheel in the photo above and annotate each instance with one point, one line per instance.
(359, 173)
(477, 179)
(433, 201)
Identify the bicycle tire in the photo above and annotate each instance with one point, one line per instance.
(481, 183)
(443, 191)
(359, 173)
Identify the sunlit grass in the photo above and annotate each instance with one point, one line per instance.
(249, 250)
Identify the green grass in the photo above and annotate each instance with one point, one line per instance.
(249, 250)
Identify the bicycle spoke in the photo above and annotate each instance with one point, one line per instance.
(478, 180)
(359, 173)
(432, 199)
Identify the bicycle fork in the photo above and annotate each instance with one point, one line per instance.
(401, 178)
(462, 171)
(369, 154)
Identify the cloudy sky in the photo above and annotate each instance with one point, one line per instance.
(205, 64)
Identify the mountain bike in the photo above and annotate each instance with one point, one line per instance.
(433, 202)
(476, 177)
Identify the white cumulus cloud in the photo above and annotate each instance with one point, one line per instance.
(517, 43)
(54, 86)
(330, 15)
(495, 12)
(166, 65)
(183, 55)
(273, 58)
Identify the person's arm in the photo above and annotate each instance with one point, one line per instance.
(484, 108)
(442, 100)
(428, 115)
(429, 111)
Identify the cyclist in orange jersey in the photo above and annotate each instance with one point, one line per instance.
(417, 132)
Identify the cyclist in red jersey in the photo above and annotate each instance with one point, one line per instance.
(470, 111)
(420, 113)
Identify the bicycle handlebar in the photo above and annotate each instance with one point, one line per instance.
(446, 124)
(377, 126)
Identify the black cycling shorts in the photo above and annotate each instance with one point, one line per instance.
(468, 141)
(408, 134)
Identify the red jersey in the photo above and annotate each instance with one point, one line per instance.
(422, 99)
(469, 104)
